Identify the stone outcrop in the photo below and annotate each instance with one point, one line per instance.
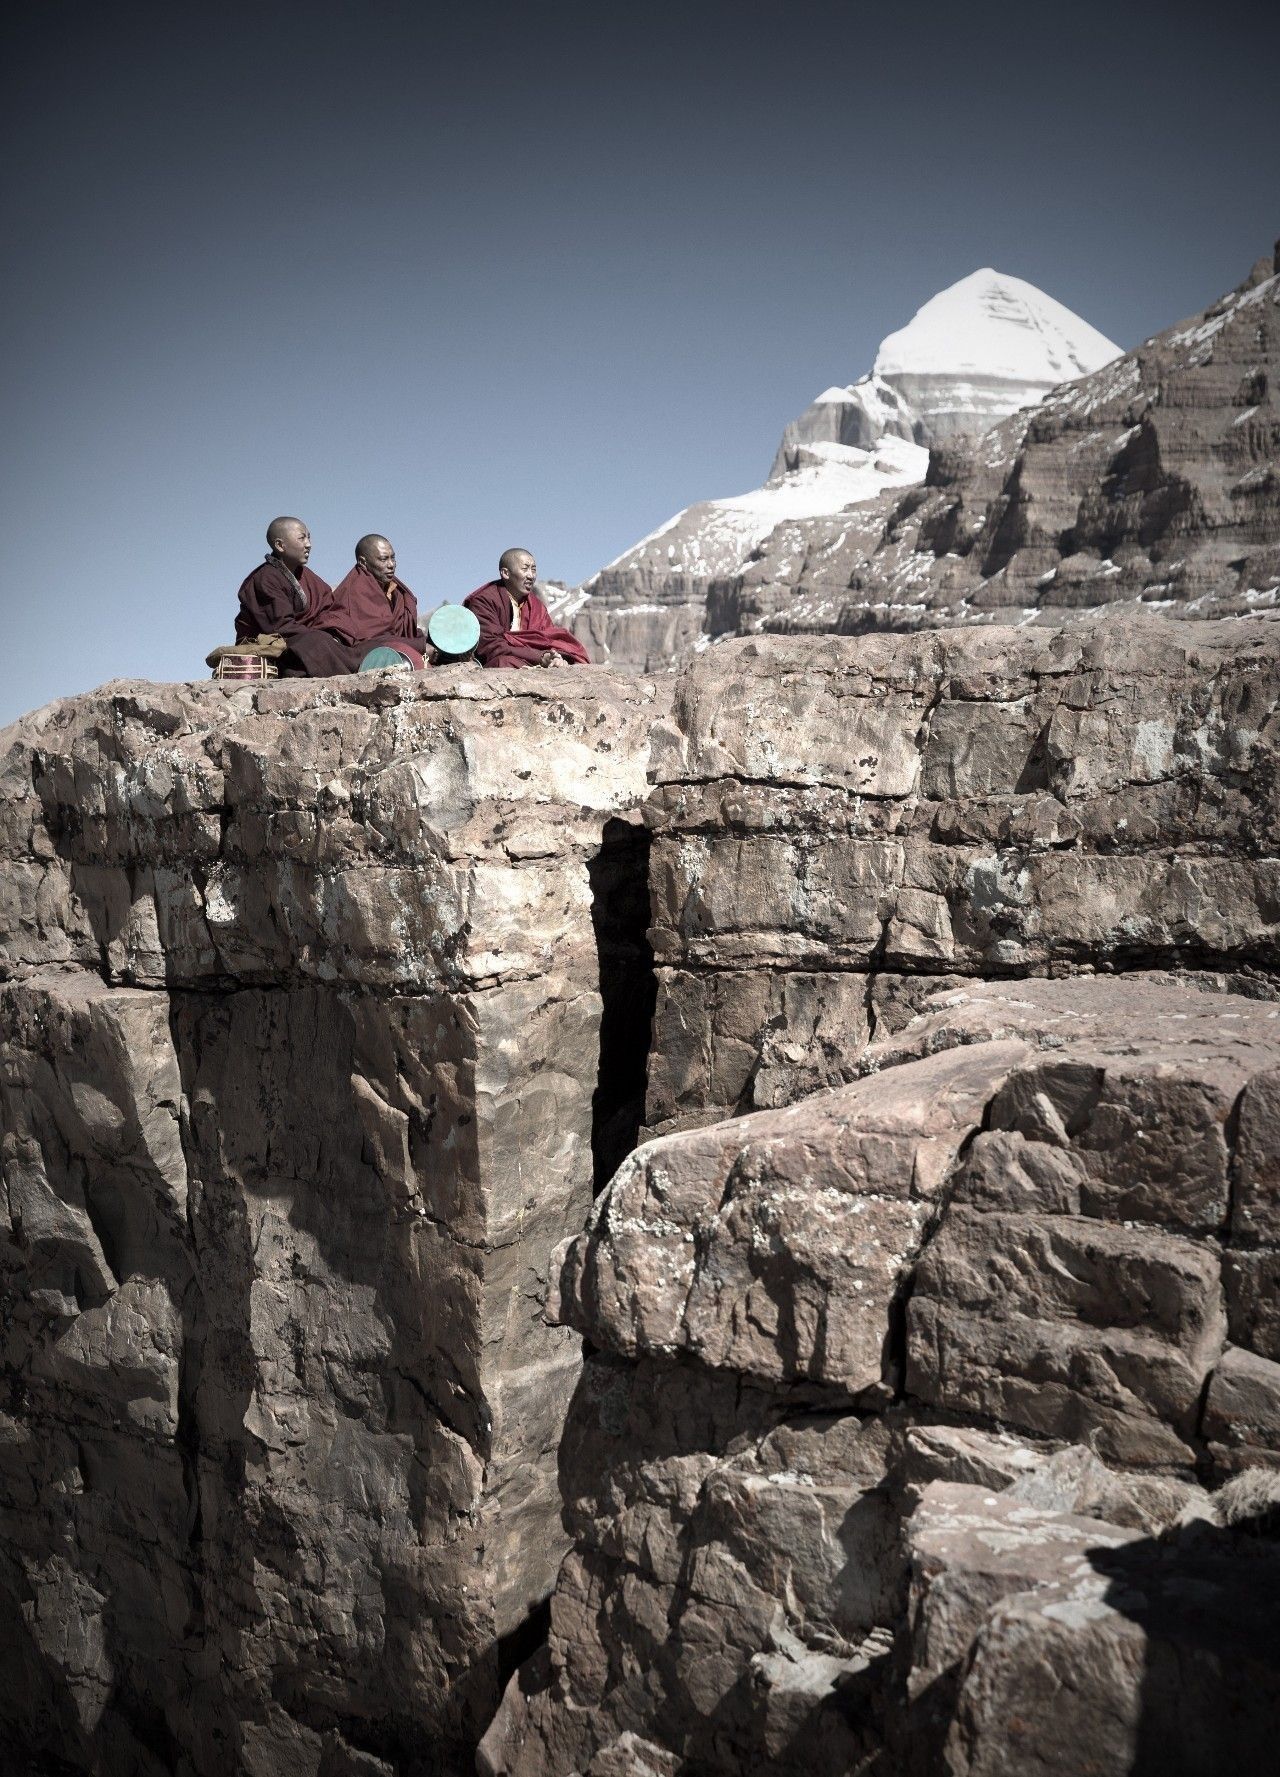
(931, 1342)
(835, 828)
(901, 1397)
(900, 1387)
(301, 1042)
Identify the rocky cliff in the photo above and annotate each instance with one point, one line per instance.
(932, 1358)
(1152, 479)
(903, 1396)
(302, 1034)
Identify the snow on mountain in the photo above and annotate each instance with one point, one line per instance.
(826, 478)
(992, 325)
(969, 357)
(972, 355)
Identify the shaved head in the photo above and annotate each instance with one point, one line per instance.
(375, 553)
(518, 572)
(290, 542)
(280, 528)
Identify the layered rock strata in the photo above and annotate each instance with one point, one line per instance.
(323, 1004)
(971, 356)
(835, 828)
(302, 1011)
(1153, 480)
(891, 1457)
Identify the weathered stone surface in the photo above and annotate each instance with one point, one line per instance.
(959, 1453)
(729, 1566)
(1252, 1282)
(328, 831)
(1073, 1480)
(775, 1245)
(1066, 1278)
(1242, 1410)
(1150, 1662)
(1256, 1210)
(1050, 1230)
(833, 828)
(323, 1006)
(968, 1549)
(302, 1033)
(1066, 1326)
(1044, 1476)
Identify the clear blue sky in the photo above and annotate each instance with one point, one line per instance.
(537, 275)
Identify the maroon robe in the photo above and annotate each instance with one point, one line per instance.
(275, 601)
(501, 645)
(359, 613)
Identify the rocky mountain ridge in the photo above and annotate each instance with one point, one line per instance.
(1152, 480)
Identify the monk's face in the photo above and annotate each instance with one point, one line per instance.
(294, 547)
(381, 562)
(521, 576)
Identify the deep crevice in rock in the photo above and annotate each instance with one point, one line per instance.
(520, 1643)
(619, 876)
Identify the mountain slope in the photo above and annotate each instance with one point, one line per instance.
(1155, 479)
(971, 355)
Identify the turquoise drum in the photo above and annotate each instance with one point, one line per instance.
(453, 632)
(382, 657)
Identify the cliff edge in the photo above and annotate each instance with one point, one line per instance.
(931, 1342)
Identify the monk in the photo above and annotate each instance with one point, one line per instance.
(283, 597)
(373, 613)
(515, 626)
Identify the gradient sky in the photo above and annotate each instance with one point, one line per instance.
(536, 275)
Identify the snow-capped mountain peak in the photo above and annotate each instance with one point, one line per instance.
(968, 358)
(995, 326)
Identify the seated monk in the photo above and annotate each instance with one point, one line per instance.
(283, 597)
(372, 612)
(515, 626)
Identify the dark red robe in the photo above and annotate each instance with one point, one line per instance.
(359, 613)
(274, 601)
(500, 645)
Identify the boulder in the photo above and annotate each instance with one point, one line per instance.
(989, 1273)
(1140, 1662)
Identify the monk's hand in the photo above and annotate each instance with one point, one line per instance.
(551, 658)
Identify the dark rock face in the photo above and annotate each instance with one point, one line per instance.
(900, 1390)
(300, 1052)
